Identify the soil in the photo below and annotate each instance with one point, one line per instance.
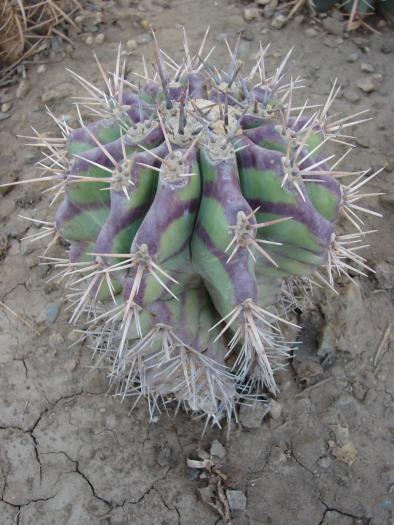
(324, 453)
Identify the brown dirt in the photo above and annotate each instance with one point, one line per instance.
(71, 455)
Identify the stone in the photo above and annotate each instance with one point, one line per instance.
(89, 40)
(236, 499)
(217, 449)
(41, 69)
(387, 47)
(278, 21)
(131, 44)
(6, 107)
(385, 275)
(311, 32)
(53, 310)
(347, 453)
(352, 58)
(99, 38)
(333, 26)
(367, 68)
(251, 416)
(275, 409)
(367, 85)
(22, 89)
(251, 13)
(4, 116)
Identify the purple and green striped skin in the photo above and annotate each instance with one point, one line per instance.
(166, 231)
(229, 282)
(190, 200)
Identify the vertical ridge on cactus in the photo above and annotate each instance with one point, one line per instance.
(195, 204)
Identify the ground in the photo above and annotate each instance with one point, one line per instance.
(323, 454)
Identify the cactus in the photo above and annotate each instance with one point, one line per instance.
(356, 10)
(25, 25)
(189, 201)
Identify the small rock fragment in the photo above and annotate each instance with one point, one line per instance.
(251, 13)
(22, 89)
(352, 58)
(236, 499)
(41, 69)
(53, 310)
(99, 38)
(89, 40)
(311, 32)
(5, 107)
(367, 68)
(278, 21)
(131, 44)
(387, 47)
(333, 26)
(385, 275)
(217, 449)
(251, 416)
(347, 454)
(366, 84)
(275, 408)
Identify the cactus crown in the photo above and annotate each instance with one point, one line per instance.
(189, 202)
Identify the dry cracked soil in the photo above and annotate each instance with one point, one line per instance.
(323, 454)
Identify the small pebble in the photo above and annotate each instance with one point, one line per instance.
(53, 310)
(352, 58)
(275, 409)
(5, 107)
(236, 499)
(217, 449)
(333, 26)
(131, 44)
(367, 68)
(278, 21)
(251, 13)
(22, 89)
(89, 40)
(251, 416)
(311, 32)
(99, 39)
(41, 69)
(366, 84)
(324, 462)
(387, 47)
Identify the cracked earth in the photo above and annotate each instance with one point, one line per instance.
(71, 454)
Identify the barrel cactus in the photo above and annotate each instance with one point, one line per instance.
(194, 202)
